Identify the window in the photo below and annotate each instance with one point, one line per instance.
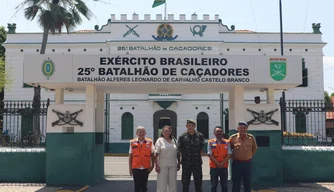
(203, 124)
(127, 126)
(305, 74)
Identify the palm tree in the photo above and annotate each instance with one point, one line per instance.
(53, 15)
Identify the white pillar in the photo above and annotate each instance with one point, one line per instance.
(270, 96)
(236, 106)
(90, 108)
(59, 96)
(100, 112)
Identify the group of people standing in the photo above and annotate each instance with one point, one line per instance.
(168, 154)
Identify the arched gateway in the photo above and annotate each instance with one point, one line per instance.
(75, 140)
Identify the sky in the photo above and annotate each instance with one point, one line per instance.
(255, 15)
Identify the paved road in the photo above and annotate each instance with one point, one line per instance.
(116, 168)
(118, 180)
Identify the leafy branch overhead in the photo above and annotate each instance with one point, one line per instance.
(54, 15)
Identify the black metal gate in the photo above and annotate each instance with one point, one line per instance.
(21, 125)
(307, 122)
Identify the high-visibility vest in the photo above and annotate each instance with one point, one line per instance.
(141, 153)
(219, 151)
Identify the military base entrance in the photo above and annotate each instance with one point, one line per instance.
(75, 132)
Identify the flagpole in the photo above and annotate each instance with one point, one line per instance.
(281, 26)
(165, 10)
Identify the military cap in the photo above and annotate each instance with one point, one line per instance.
(242, 123)
(191, 121)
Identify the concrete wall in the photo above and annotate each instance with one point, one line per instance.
(308, 164)
(300, 164)
(23, 166)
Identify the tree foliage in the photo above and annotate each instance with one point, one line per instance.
(2, 40)
(5, 77)
(4, 74)
(328, 96)
(54, 15)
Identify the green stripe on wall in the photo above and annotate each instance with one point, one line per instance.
(74, 159)
(268, 161)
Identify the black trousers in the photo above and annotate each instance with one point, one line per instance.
(221, 173)
(196, 171)
(140, 178)
(241, 171)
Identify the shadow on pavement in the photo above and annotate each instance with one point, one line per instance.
(127, 186)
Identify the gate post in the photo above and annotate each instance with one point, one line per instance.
(107, 122)
(75, 150)
(264, 121)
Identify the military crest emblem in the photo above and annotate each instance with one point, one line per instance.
(165, 33)
(262, 117)
(67, 118)
(48, 68)
(278, 68)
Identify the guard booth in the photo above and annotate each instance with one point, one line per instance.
(75, 144)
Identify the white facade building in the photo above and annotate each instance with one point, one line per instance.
(174, 36)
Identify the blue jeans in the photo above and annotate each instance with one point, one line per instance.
(215, 173)
(241, 170)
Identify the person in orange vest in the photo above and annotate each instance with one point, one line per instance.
(141, 159)
(219, 152)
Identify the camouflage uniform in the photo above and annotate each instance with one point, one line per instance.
(190, 147)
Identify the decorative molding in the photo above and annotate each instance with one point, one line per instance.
(165, 104)
(126, 105)
(232, 26)
(97, 26)
(316, 28)
(170, 18)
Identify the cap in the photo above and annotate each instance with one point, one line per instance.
(242, 123)
(191, 121)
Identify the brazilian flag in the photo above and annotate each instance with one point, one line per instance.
(156, 3)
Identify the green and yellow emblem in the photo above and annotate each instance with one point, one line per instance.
(165, 33)
(278, 68)
(48, 68)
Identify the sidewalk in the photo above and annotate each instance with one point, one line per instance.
(127, 186)
(118, 180)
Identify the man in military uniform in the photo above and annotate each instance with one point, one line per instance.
(190, 145)
(243, 147)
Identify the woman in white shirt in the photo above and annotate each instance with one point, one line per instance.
(167, 161)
